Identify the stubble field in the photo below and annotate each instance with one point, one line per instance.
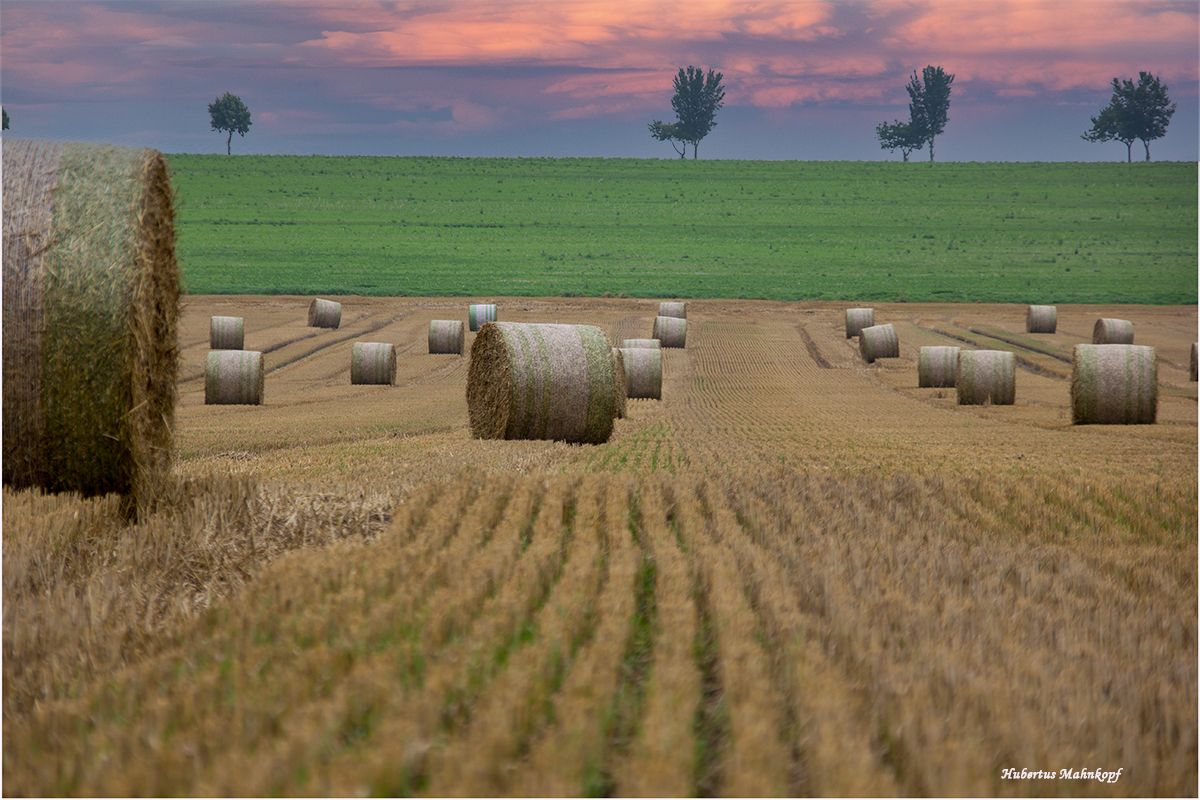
(794, 574)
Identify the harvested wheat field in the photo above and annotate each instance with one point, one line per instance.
(796, 573)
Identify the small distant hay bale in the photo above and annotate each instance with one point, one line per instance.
(541, 381)
(373, 364)
(324, 313)
(937, 367)
(643, 372)
(673, 309)
(1114, 384)
(1112, 331)
(233, 377)
(1041, 319)
(670, 331)
(91, 305)
(986, 377)
(480, 314)
(226, 333)
(857, 319)
(446, 336)
(621, 388)
(631, 343)
(878, 341)
(1193, 368)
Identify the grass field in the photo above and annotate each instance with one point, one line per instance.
(863, 231)
(795, 574)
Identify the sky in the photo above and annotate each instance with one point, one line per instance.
(804, 80)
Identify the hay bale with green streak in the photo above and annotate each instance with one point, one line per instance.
(1112, 331)
(324, 313)
(857, 319)
(91, 305)
(1041, 319)
(630, 343)
(541, 381)
(446, 336)
(480, 314)
(670, 331)
(226, 333)
(643, 372)
(878, 341)
(937, 367)
(621, 387)
(673, 309)
(1114, 384)
(373, 364)
(986, 377)
(233, 378)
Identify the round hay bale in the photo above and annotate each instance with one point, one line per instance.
(857, 319)
(226, 333)
(670, 331)
(91, 306)
(446, 336)
(937, 367)
(1114, 384)
(373, 364)
(1041, 319)
(673, 309)
(1193, 367)
(986, 377)
(621, 388)
(1112, 331)
(480, 314)
(541, 381)
(630, 343)
(878, 341)
(324, 314)
(643, 372)
(233, 377)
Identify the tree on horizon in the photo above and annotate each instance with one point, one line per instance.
(1140, 111)
(697, 99)
(229, 113)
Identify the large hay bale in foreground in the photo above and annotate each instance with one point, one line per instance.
(226, 333)
(857, 319)
(986, 377)
(937, 367)
(621, 387)
(446, 336)
(324, 313)
(1114, 384)
(878, 341)
(233, 377)
(373, 364)
(1112, 331)
(1193, 366)
(541, 381)
(1041, 319)
(91, 305)
(670, 331)
(643, 372)
(480, 314)
(631, 343)
(673, 309)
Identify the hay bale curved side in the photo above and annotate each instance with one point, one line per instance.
(1041, 319)
(324, 313)
(621, 386)
(632, 343)
(670, 331)
(226, 333)
(857, 319)
(446, 336)
(643, 372)
(541, 381)
(878, 341)
(1112, 331)
(1114, 384)
(480, 314)
(986, 377)
(373, 364)
(937, 367)
(91, 307)
(233, 377)
(673, 309)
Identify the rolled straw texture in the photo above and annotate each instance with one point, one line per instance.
(541, 381)
(673, 309)
(986, 377)
(629, 343)
(1193, 367)
(324, 313)
(446, 336)
(1114, 384)
(643, 372)
(1041, 319)
(878, 341)
(233, 377)
(937, 367)
(480, 314)
(857, 319)
(621, 387)
(670, 331)
(226, 333)
(91, 305)
(1112, 331)
(373, 363)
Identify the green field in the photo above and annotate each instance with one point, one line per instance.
(882, 231)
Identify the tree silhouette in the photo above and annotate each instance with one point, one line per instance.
(1140, 111)
(229, 113)
(697, 99)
